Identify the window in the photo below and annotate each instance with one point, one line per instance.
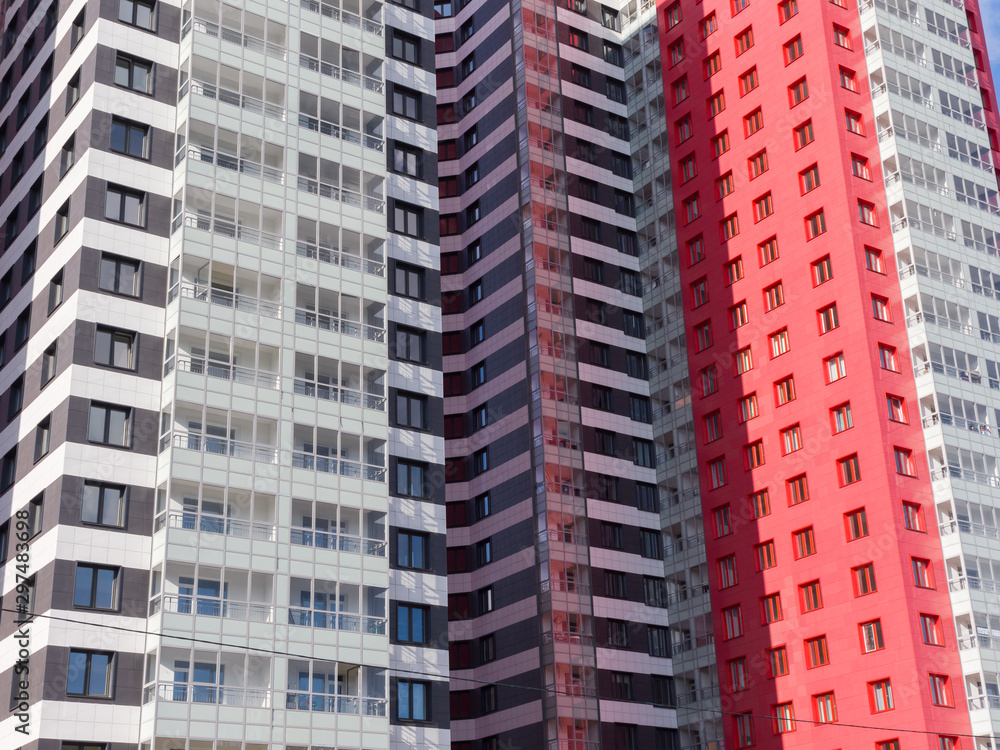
(856, 524)
(96, 587)
(753, 455)
(114, 348)
(887, 357)
(815, 225)
(748, 407)
(651, 545)
(405, 47)
(484, 552)
(864, 579)
(129, 138)
(615, 584)
(683, 128)
(777, 661)
(904, 462)
(744, 40)
(411, 623)
(913, 517)
(110, 425)
(413, 700)
(137, 13)
(406, 103)
(744, 730)
(757, 164)
(134, 74)
(618, 633)
(103, 504)
(854, 122)
(803, 135)
(873, 260)
(467, 30)
(760, 504)
(411, 410)
(798, 92)
(48, 363)
(658, 640)
(726, 568)
(708, 379)
(483, 506)
(804, 543)
(779, 342)
(867, 214)
(604, 442)
(809, 179)
(738, 315)
(732, 620)
(716, 104)
(712, 64)
(896, 408)
(771, 608)
(880, 699)
(410, 479)
(940, 690)
(408, 161)
(696, 249)
(643, 453)
(609, 18)
(67, 157)
(817, 652)
(480, 461)
(72, 91)
(824, 708)
(793, 50)
(923, 574)
(848, 80)
(679, 90)
(763, 207)
(724, 185)
(622, 687)
(579, 39)
(739, 5)
(411, 550)
(708, 25)
(90, 673)
(699, 293)
(77, 31)
(810, 596)
(647, 497)
(841, 417)
(738, 674)
(43, 438)
(742, 361)
(723, 521)
(765, 554)
(640, 409)
(734, 270)
(22, 328)
(828, 318)
(729, 227)
(798, 489)
(849, 470)
(717, 473)
(8, 469)
(842, 37)
(15, 399)
(784, 391)
(784, 718)
(930, 629)
(410, 345)
(755, 120)
(720, 144)
(126, 206)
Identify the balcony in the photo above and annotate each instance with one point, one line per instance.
(222, 371)
(353, 623)
(220, 447)
(212, 607)
(210, 523)
(219, 695)
(327, 392)
(305, 537)
(225, 298)
(338, 258)
(371, 25)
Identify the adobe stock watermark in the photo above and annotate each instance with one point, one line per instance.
(23, 605)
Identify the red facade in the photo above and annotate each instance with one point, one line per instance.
(797, 197)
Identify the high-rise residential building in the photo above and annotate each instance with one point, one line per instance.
(629, 385)
(833, 168)
(557, 606)
(220, 368)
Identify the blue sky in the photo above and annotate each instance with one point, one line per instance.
(990, 10)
